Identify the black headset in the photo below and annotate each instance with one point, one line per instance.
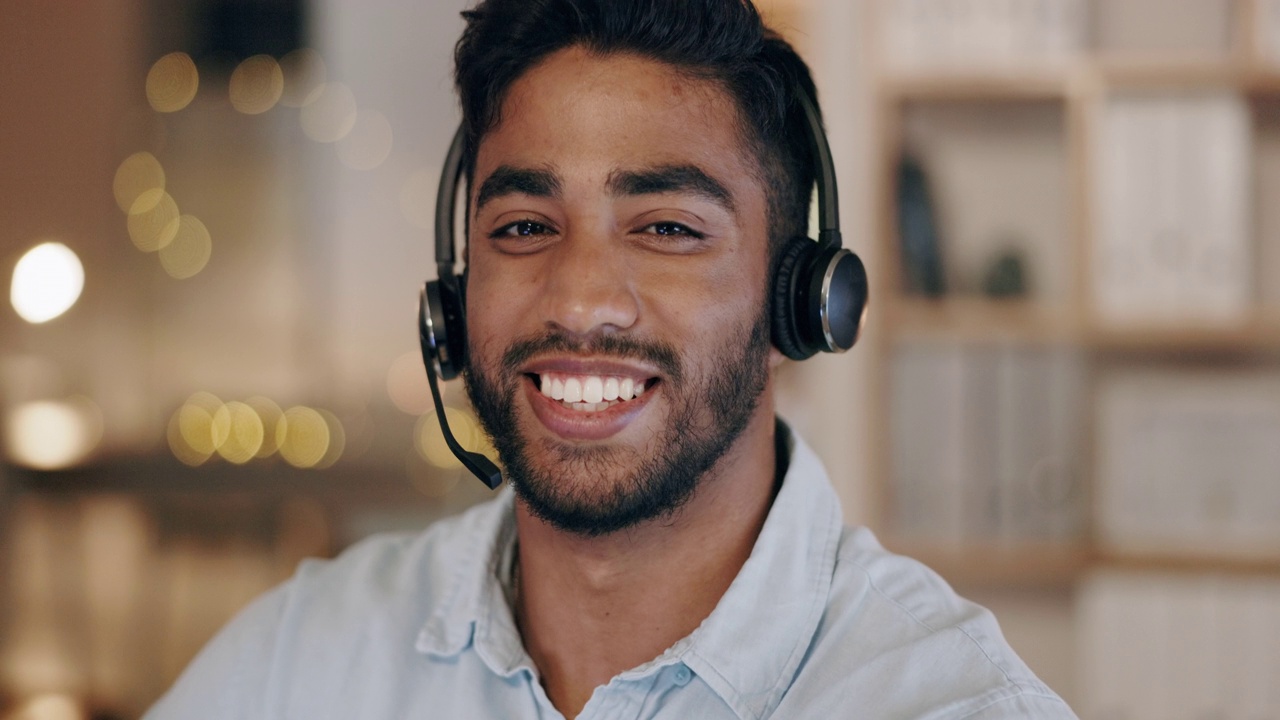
(819, 288)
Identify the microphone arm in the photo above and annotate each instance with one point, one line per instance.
(479, 465)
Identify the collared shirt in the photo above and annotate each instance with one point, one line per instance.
(821, 622)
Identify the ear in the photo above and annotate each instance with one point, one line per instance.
(775, 358)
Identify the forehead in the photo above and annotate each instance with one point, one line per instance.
(581, 112)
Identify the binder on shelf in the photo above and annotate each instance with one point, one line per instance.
(989, 34)
(918, 231)
(986, 445)
(1158, 645)
(1187, 464)
(1268, 33)
(1173, 240)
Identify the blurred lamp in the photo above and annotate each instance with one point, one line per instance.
(47, 281)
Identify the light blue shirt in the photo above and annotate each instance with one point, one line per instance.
(821, 622)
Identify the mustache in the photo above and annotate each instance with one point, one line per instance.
(659, 354)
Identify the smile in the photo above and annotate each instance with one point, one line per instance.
(590, 393)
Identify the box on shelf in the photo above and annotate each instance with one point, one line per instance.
(1155, 29)
(987, 34)
(1173, 242)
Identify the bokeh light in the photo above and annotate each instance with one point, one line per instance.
(303, 436)
(189, 247)
(337, 440)
(49, 706)
(53, 434)
(430, 442)
(269, 413)
(369, 142)
(407, 384)
(195, 423)
(137, 174)
(238, 432)
(304, 73)
(152, 220)
(331, 115)
(179, 446)
(172, 82)
(47, 281)
(418, 199)
(256, 85)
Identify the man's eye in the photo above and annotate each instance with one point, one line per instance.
(521, 228)
(671, 228)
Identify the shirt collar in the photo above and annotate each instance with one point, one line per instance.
(777, 599)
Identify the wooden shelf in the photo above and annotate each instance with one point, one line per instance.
(1061, 83)
(1013, 563)
(980, 320)
(1198, 564)
(1170, 72)
(1258, 334)
(976, 85)
(1083, 85)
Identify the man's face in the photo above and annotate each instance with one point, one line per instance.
(618, 266)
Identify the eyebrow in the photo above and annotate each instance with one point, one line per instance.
(508, 180)
(543, 183)
(688, 179)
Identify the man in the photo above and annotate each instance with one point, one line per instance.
(670, 549)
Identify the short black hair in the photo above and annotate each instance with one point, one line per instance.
(723, 41)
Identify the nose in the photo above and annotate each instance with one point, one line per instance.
(589, 287)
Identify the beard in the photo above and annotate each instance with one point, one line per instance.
(595, 490)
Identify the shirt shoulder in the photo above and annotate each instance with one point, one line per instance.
(369, 605)
(896, 641)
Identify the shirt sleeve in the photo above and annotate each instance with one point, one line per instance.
(230, 676)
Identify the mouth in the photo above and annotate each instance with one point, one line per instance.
(586, 393)
(589, 399)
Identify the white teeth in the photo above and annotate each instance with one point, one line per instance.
(592, 389)
(572, 390)
(589, 392)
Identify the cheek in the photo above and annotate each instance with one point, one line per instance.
(699, 312)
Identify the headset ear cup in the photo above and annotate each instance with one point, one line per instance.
(834, 299)
(792, 266)
(442, 326)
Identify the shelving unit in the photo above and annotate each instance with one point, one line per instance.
(1078, 88)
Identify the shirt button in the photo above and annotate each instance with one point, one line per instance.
(683, 675)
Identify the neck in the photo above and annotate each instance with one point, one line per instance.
(590, 608)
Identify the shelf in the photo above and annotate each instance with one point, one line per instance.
(980, 320)
(1183, 563)
(1060, 83)
(1262, 81)
(1259, 334)
(1014, 563)
(1047, 84)
(1166, 72)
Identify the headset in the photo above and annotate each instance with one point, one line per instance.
(819, 293)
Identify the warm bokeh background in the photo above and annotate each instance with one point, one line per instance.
(1068, 401)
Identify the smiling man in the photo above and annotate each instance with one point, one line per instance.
(636, 172)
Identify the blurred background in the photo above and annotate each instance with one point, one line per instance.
(216, 218)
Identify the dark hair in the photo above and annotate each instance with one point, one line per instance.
(723, 41)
